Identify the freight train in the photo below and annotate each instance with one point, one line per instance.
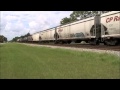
(104, 28)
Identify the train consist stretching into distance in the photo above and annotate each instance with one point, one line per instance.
(103, 28)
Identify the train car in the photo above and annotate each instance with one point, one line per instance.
(110, 27)
(63, 33)
(47, 35)
(82, 30)
(51, 34)
(35, 37)
(18, 40)
(30, 39)
(25, 39)
(43, 36)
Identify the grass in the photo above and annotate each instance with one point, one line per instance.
(19, 61)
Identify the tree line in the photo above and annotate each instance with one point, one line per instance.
(15, 38)
(3, 39)
(79, 15)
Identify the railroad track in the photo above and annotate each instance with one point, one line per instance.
(86, 46)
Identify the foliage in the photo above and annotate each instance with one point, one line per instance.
(78, 15)
(16, 38)
(3, 38)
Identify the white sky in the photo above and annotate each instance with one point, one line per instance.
(17, 23)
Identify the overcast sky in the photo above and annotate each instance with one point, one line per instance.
(17, 23)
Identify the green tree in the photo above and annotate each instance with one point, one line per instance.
(65, 20)
(3, 38)
(16, 38)
(78, 15)
(28, 34)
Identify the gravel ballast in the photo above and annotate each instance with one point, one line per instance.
(117, 53)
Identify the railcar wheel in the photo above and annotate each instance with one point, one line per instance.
(69, 42)
(94, 42)
(111, 42)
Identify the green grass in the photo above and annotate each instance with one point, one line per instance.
(19, 61)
